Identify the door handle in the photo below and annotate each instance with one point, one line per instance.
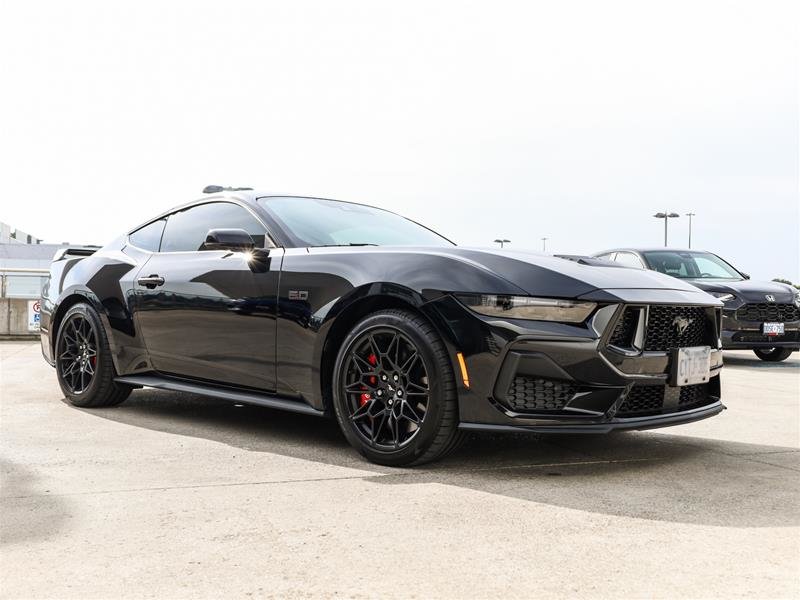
(151, 281)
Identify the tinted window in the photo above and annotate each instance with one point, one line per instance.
(186, 230)
(315, 222)
(691, 265)
(631, 260)
(149, 236)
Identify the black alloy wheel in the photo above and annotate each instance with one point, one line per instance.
(83, 360)
(386, 386)
(77, 353)
(394, 391)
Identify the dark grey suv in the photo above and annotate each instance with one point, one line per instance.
(763, 316)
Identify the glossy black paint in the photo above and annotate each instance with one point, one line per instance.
(269, 325)
(738, 333)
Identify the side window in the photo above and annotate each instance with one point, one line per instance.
(630, 260)
(609, 256)
(186, 230)
(148, 237)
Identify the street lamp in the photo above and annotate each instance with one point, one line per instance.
(501, 242)
(544, 244)
(690, 215)
(666, 216)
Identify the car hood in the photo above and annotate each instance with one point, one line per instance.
(494, 271)
(749, 290)
(551, 276)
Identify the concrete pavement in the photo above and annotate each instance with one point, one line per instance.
(172, 496)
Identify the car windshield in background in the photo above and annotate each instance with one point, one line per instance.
(691, 265)
(317, 222)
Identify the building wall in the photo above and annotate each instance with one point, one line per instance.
(10, 235)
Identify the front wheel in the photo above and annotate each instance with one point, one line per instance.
(394, 392)
(773, 354)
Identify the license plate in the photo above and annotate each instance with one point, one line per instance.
(774, 329)
(691, 366)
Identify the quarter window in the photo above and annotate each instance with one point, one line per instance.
(186, 230)
(148, 237)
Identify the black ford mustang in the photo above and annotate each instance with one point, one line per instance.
(762, 316)
(326, 307)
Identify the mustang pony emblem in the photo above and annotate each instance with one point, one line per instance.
(770, 298)
(682, 324)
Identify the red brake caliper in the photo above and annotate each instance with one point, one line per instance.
(365, 397)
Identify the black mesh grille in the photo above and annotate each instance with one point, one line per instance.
(768, 311)
(693, 395)
(664, 326)
(642, 399)
(536, 394)
(625, 329)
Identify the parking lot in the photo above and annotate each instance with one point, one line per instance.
(170, 495)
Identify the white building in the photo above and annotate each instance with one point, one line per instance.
(9, 235)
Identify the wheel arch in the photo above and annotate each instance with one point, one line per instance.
(69, 299)
(349, 315)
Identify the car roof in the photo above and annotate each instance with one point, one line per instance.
(245, 196)
(652, 249)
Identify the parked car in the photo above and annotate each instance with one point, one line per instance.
(763, 316)
(332, 308)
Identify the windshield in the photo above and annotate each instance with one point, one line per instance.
(316, 222)
(691, 265)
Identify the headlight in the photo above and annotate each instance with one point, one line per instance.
(725, 297)
(797, 299)
(526, 307)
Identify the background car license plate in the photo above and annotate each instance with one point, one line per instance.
(691, 366)
(774, 329)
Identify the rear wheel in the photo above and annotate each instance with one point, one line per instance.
(773, 354)
(394, 392)
(83, 361)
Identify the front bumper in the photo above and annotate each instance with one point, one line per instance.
(588, 385)
(747, 335)
(609, 425)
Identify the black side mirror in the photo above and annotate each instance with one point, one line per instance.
(235, 240)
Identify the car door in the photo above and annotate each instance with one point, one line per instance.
(207, 314)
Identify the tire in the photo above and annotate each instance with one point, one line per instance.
(397, 405)
(84, 367)
(773, 354)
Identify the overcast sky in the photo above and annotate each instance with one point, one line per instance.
(481, 119)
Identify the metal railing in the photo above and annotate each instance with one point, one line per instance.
(22, 283)
(20, 292)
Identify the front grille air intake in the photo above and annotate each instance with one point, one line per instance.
(645, 400)
(667, 327)
(642, 400)
(664, 331)
(768, 312)
(693, 395)
(625, 329)
(529, 394)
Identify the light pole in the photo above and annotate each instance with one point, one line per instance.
(544, 244)
(666, 216)
(690, 215)
(501, 242)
